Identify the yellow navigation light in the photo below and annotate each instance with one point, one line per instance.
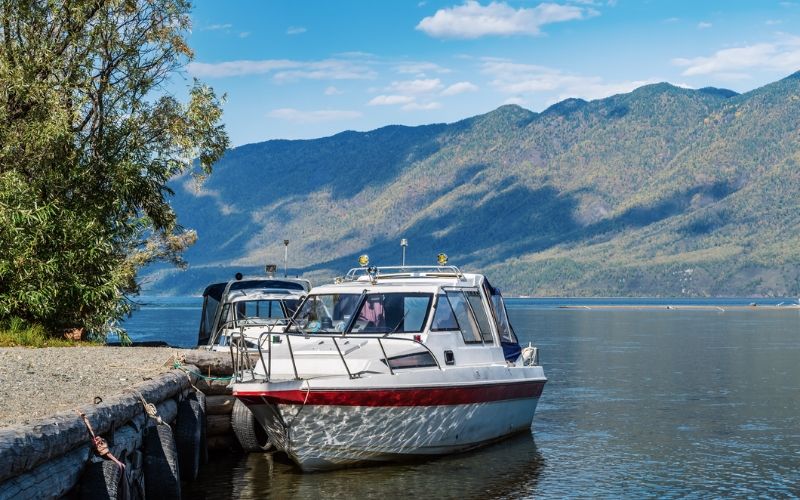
(442, 258)
(363, 260)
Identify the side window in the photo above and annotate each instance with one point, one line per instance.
(469, 328)
(443, 318)
(475, 301)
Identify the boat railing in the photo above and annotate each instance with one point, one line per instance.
(403, 271)
(241, 355)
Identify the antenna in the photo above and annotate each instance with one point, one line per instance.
(285, 258)
(404, 244)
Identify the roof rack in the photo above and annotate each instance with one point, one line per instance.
(404, 271)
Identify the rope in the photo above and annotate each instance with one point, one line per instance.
(99, 444)
(150, 409)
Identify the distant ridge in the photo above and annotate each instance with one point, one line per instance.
(662, 191)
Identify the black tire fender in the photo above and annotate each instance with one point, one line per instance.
(250, 434)
(201, 398)
(161, 472)
(103, 479)
(188, 437)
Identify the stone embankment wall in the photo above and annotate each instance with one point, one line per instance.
(50, 457)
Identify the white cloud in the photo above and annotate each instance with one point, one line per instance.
(285, 69)
(704, 25)
(323, 115)
(473, 20)
(735, 63)
(244, 34)
(416, 106)
(333, 91)
(295, 30)
(459, 88)
(238, 68)
(672, 20)
(522, 79)
(419, 86)
(419, 68)
(329, 69)
(388, 100)
(217, 27)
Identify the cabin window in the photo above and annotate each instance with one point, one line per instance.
(466, 321)
(443, 317)
(326, 312)
(504, 327)
(291, 306)
(392, 313)
(209, 311)
(413, 360)
(267, 309)
(474, 298)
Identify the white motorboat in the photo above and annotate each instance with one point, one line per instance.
(246, 306)
(389, 363)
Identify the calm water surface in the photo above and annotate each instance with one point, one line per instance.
(639, 403)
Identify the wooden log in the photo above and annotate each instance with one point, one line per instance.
(219, 405)
(213, 387)
(208, 362)
(52, 480)
(218, 424)
(223, 442)
(23, 447)
(66, 470)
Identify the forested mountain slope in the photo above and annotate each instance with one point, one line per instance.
(661, 191)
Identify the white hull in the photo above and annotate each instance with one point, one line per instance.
(325, 436)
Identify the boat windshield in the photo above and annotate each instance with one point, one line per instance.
(259, 309)
(325, 312)
(396, 312)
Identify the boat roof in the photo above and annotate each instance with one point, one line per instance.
(264, 294)
(216, 290)
(402, 279)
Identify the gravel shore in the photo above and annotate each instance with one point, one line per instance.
(36, 383)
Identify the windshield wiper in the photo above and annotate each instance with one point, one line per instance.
(398, 324)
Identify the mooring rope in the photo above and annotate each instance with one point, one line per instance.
(150, 409)
(99, 444)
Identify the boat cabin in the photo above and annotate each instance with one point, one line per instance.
(393, 318)
(215, 315)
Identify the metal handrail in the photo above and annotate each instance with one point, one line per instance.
(333, 336)
(235, 323)
(356, 272)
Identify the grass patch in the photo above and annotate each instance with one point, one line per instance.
(17, 333)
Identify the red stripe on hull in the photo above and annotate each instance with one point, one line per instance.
(415, 396)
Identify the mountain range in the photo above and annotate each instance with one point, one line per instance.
(663, 191)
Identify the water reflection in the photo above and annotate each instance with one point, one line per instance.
(508, 469)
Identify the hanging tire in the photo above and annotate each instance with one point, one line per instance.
(188, 438)
(103, 479)
(161, 476)
(250, 434)
(201, 398)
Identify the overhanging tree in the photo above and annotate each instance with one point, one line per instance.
(89, 138)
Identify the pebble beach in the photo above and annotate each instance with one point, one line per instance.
(36, 383)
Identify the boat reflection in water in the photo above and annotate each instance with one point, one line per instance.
(510, 468)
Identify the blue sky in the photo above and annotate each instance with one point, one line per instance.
(304, 69)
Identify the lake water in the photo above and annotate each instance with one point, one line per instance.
(639, 403)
